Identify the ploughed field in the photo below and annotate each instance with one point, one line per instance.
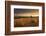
(26, 21)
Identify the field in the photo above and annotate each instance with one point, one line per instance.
(20, 21)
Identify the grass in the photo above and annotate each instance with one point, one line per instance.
(25, 21)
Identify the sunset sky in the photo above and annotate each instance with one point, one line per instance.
(26, 12)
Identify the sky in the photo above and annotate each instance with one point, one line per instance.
(26, 12)
(23, 10)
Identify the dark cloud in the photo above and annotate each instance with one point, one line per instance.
(23, 10)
